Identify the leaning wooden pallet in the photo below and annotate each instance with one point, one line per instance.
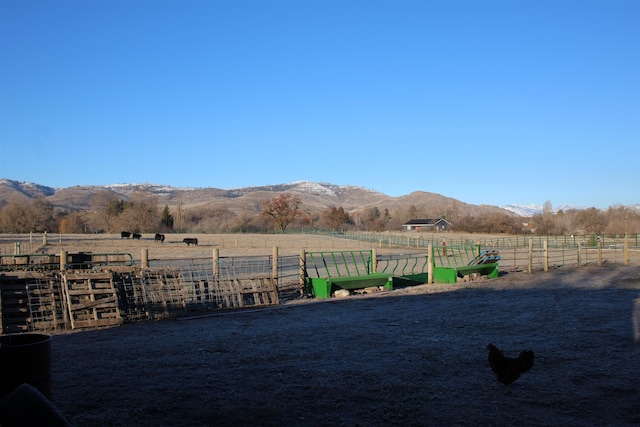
(91, 299)
(45, 302)
(15, 302)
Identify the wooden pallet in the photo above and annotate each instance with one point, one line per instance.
(249, 292)
(40, 301)
(131, 296)
(30, 301)
(91, 299)
(163, 292)
(262, 291)
(46, 305)
(197, 288)
(14, 303)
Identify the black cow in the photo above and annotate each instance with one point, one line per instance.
(191, 241)
(125, 235)
(136, 236)
(159, 238)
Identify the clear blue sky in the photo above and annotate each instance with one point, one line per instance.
(489, 102)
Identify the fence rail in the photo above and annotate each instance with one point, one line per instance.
(403, 264)
(133, 289)
(414, 240)
(338, 263)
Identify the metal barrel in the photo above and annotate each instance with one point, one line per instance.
(25, 358)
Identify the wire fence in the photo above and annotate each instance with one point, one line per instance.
(415, 240)
(106, 289)
(517, 253)
(241, 268)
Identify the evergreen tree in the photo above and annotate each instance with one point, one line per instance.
(166, 219)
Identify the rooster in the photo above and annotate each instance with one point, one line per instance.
(509, 369)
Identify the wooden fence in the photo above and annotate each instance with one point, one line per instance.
(36, 297)
(54, 293)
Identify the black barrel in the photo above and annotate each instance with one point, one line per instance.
(25, 358)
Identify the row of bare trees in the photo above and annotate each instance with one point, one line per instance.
(108, 213)
(143, 214)
(614, 220)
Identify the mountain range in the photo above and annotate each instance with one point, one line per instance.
(313, 195)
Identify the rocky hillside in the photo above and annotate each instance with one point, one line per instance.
(314, 197)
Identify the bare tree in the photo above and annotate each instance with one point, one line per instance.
(142, 214)
(336, 218)
(108, 206)
(622, 220)
(592, 220)
(72, 223)
(281, 210)
(27, 215)
(412, 213)
(545, 223)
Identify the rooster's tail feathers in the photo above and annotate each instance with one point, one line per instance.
(526, 356)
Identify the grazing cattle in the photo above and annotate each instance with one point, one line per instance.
(125, 235)
(159, 238)
(191, 241)
(136, 236)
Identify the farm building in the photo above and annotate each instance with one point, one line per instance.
(427, 224)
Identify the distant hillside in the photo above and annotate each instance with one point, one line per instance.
(10, 189)
(315, 197)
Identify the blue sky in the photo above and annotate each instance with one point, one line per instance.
(490, 102)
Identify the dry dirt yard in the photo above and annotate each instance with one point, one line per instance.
(174, 247)
(413, 356)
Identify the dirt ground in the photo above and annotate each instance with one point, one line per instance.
(174, 247)
(413, 356)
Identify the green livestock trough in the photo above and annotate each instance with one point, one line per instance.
(326, 272)
(483, 264)
(342, 270)
(324, 287)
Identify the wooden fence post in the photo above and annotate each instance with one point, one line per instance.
(63, 260)
(144, 258)
(579, 255)
(274, 264)
(216, 266)
(625, 250)
(545, 245)
(599, 251)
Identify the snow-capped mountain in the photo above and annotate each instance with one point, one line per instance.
(156, 189)
(523, 210)
(531, 210)
(28, 189)
(318, 195)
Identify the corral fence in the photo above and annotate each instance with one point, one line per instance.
(518, 253)
(42, 291)
(423, 240)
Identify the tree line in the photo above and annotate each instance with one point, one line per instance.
(144, 214)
